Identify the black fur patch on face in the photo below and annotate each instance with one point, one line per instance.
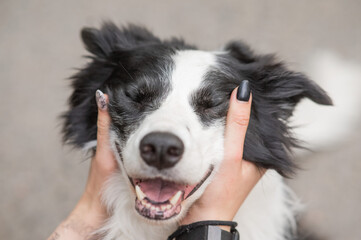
(130, 65)
(210, 102)
(140, 89)
(275, 92)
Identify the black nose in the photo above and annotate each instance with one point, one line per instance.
(161, 149)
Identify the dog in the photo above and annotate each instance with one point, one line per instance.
(168, 102)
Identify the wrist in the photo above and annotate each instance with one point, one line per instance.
(87, 216)
(90, 210)
(197, 214)
(73, 228)
(206, 230)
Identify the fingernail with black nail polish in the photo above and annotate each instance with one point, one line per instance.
(243, 92)
(100, 99)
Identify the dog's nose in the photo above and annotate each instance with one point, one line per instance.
(161, 149)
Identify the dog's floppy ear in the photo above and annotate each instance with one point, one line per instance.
(105, 40)
(80, 121)
(95, 42)
(276, 91)
(240, 51)
(277, 82)
(274, 81)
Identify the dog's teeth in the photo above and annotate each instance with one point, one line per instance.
(168, 206)
(140, 193)
(163, 207)
(152, 208)
(175, 198)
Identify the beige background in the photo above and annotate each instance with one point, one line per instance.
(40, 180)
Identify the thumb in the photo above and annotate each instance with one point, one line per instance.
(103, 123)
(237, 121)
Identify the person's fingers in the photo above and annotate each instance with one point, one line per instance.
(251, 172)
(237, 121)
(103, 124)
(103, 163)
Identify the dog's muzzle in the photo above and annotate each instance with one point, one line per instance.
(158, 198)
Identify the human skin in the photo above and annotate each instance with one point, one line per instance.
(232, 183)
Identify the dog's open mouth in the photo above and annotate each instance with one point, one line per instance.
(159, 199)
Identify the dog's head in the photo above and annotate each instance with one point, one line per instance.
(168, 102)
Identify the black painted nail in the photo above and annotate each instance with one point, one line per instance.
(100, 99)
(243, 92)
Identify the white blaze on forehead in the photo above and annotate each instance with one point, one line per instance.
(190, 68)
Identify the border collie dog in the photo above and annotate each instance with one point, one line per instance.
(168, 103)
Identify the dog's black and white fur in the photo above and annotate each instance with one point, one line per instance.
(171, 87)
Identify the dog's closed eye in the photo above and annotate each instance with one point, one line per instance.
(137, 96)
(205, 100)
(209, 105)
(142, 97)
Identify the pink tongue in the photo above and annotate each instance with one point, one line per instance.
(159, 190)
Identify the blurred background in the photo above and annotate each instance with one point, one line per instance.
(41, 180)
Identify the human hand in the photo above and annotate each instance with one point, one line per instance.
(90, 213)
(236, 176)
